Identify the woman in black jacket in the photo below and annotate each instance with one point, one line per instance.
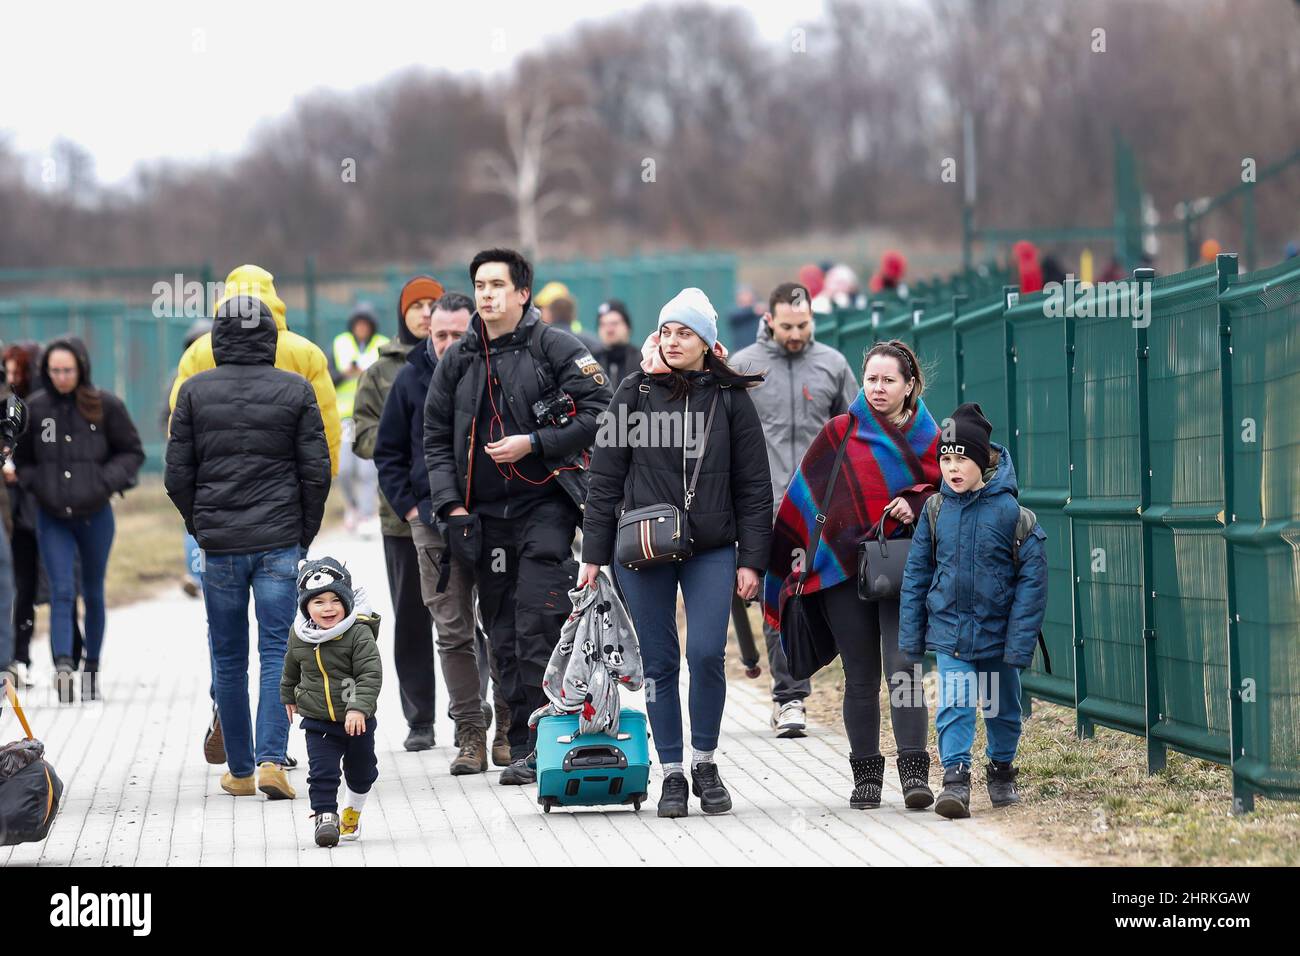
(80, 449)
(730, 521)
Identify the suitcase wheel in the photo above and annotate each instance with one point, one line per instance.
(636, 803)
(547, 803)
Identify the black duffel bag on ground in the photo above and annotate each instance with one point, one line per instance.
(806, 635)
(30, 790)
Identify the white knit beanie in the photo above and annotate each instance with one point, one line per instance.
(692, 308)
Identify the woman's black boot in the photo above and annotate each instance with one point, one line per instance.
(868, 779)
(914, 776)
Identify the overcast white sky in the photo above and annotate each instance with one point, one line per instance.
(188, 80)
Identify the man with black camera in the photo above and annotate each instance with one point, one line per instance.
(508, 420)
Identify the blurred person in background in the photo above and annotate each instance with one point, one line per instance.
(889, 274)
(812, 278)
(618, 355)
(94, 453)
(560, 309)
(1024, 256)
(352, 353)
(840, 291)
(745, 317)
(192, 584)
(807, 384)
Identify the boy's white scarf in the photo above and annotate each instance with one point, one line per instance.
(313, 633)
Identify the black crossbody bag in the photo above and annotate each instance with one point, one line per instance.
(806, 635)
(660, 533)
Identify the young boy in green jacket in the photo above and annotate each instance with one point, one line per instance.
(332, 676)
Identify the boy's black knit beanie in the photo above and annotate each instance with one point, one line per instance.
(967, 434)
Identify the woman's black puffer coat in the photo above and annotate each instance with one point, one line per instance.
(248, 467)
(733, 497)
(69, 463)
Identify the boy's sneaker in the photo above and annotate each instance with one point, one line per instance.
(1001, 780)
(214, 745)
(350, 824)
(272, 781)
(954, 801)
(327, 829)
(707, 785)
(518, 774)
(672, 798)
(789, 719)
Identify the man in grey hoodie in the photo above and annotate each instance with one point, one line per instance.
(807, 384)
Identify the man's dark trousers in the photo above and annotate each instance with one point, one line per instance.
(412, 633)
(524, 574)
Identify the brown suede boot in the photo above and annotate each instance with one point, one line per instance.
(473, 751)
(500, 745)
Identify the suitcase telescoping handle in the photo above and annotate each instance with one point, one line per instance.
(570, 738)
(18, 709)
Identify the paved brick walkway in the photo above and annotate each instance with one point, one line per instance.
(139, 793)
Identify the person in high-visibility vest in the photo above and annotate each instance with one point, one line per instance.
(352, 353)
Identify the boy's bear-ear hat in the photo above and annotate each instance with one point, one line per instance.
(324, 574)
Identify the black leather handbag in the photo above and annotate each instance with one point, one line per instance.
(806, 636)
(658, 534)
(881, 562)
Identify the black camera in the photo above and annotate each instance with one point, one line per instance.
(12, 425)
(555, 409)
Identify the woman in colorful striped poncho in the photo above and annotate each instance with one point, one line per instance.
(890, 467)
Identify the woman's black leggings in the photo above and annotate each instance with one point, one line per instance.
(863, 629)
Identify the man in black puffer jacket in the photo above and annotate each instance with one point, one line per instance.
(248, 468)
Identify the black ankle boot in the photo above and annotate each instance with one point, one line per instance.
(914, 776)
(1001, 780)
(954, 800)
(868, 779)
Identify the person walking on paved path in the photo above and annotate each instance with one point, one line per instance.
(975, 594)
(293, 353)
(508, 421)
(404, 479)
(248, 469)
(81, 450)
(806, 384)
(332, 678)
(412, 624)
(889, 469)
(352, 353)
(729, 514)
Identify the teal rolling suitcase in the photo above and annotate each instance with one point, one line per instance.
(592, 770)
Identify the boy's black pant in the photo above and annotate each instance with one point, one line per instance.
(328, 745)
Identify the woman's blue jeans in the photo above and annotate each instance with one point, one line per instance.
(707, 581)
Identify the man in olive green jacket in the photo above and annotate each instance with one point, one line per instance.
(413, 654)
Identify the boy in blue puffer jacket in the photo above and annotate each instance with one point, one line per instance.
(978, 606)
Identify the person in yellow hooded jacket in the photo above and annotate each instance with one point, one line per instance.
(293, 353)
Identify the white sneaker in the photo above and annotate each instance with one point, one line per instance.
(21, 678)
(788, 719)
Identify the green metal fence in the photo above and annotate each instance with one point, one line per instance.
(135, 345)
(1156, 432)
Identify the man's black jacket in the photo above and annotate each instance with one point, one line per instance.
(457, 388)
(248, 467)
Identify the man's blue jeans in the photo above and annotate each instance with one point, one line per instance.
(227, 579)
(61, 541)
(194, 567)
(707, 581)
(995, 685)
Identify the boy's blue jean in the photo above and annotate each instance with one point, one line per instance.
(227, 578)
(996, 686)
(60, 541)
(707, 581)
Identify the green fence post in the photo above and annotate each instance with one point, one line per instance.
(1010, 296)
(1083, 726)
(1243, 797)
(1248, 227)
(1156, 750)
